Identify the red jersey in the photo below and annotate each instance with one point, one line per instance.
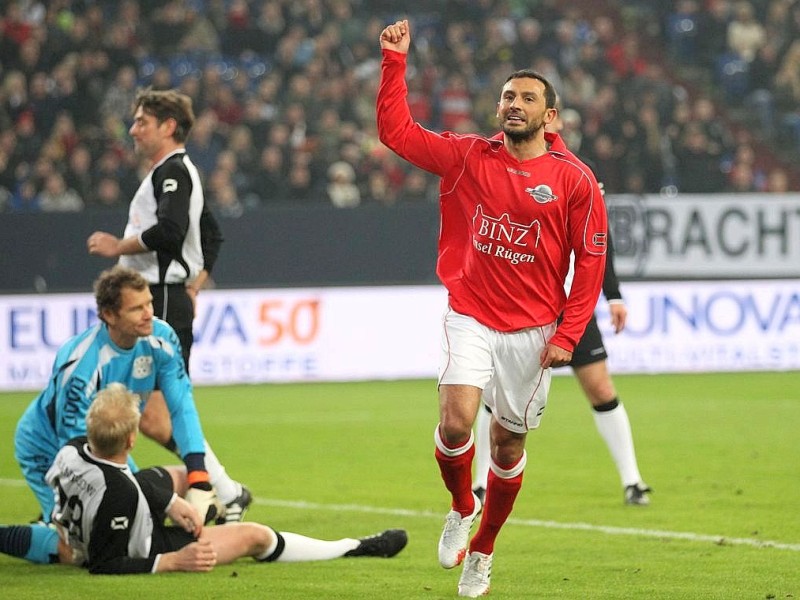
(507, 226)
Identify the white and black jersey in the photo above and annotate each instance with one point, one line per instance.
(165, 215)
(106, 510)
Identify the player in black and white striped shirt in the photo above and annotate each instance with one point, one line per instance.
(113, 520)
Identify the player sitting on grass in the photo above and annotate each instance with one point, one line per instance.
(112, 520)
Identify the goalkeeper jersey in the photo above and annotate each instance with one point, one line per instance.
(88, 362)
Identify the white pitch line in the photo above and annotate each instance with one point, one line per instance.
(720, 540)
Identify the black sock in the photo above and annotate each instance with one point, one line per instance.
(278, 549)
(608, 406)
(172, 446)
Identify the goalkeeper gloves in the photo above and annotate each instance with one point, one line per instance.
(203, 497)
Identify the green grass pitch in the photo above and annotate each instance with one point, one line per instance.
(721, 452)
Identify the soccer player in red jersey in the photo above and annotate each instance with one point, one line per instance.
(513, 208)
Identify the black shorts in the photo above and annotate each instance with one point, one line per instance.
(166, 538)
(172, 304)
(590, 348)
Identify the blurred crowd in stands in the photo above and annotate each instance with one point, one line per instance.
(660, 96)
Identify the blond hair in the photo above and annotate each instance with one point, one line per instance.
(112, 417)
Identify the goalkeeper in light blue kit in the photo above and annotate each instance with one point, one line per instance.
(128, 346)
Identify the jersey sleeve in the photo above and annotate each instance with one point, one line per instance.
(111, 531)
(210, 237)
(433, 152)
(172, 186)
(73, 394)
(156, 485)
(589, 240)
(174, 383)
(610, 280)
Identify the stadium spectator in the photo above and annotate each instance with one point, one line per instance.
(777, 181)
(483, 190)
(342, 191)
(200, 34)
(120, 95)
(108, 194)
(25, 197)
(712, 32)
(57, 197)
(745, 33)
(300, 184)
(269, 181)
(250, 46)
(698, 160)
(741, 179)
(96, 491)
(42, 103)
(787, 94)
(206, 142)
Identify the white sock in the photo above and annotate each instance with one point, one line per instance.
(615, 429)
(482, 449)
(299, 548)
(227, 489)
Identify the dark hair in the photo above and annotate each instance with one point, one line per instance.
(549, 90)
(108, 287)
(168, 104)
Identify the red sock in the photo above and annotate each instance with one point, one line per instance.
(457, 476)
(500, 496)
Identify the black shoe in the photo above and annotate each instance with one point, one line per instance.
(480, 492)
(636, 494)
(235, 509)
(385, 544)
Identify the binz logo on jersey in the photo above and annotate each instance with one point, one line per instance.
(119, 523)
(170, 185)
(142, 367)
(503, 238)
(542, 194)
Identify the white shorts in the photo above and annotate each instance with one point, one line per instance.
(504, 365)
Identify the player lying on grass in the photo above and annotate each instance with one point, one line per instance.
(112, 520)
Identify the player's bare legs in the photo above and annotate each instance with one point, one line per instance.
(595, 380)
(236, 540)
(157, 425)
(611, 420)
(155, 422)
(263, 543)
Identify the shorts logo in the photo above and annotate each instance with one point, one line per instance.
(170, 185)
(119, 523)
(542, 194)
(511, 421)
(142, 367)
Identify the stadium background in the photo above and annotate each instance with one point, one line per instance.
(687, 110)
(285, 90)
